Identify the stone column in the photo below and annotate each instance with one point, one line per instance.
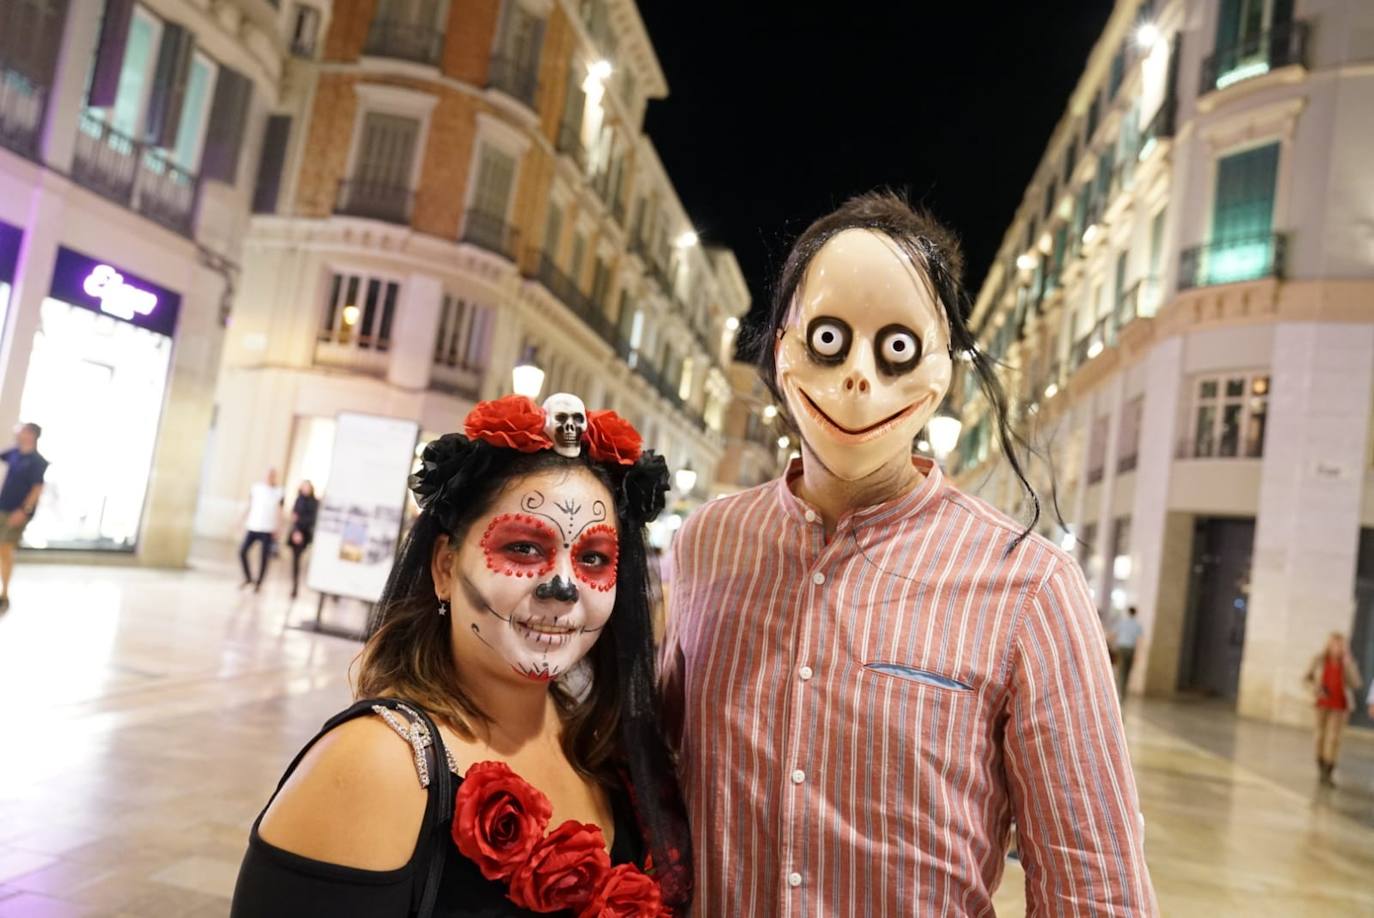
(32, 282)
(178, 459)
(1308, 527)
(413, 330)
(66, 96)
(1152, 579)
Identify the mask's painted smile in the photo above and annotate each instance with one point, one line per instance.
(845, 434)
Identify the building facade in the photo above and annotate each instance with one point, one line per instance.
(450, 188)
(128, 140)
(1185, 305)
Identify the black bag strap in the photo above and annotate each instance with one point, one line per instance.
(434, 830)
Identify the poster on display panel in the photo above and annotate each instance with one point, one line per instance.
(363, 505)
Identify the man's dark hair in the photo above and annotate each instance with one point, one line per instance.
(34, 429)
(1130, 610)
(934, 250)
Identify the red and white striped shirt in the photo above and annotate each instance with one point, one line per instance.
(864, 716)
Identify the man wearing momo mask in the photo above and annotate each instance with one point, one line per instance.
(874, 673)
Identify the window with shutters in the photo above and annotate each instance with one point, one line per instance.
(1252, 38)
(29, 40)
(128, 110)
(486, 221)
(579, 256)
(305, 31)
(195, 109)
(359, 312)
(1242, 216)
(1097, 449)
(379, 184)
(515, 61)
(411, 30)
(1128, 440)
(553, 231)
(267, 188)
(464, 338)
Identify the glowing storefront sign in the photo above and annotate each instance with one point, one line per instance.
(117, 298)
(104, 287)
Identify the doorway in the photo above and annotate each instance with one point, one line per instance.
(1362, 630)
(1218, 600)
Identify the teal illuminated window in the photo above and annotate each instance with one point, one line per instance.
(1242, 245)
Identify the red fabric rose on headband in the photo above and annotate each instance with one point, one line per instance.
(611, 438)
(498, 819)
(512, 421)
(564, 872)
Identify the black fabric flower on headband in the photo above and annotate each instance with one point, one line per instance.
(447, 465)
(644, 487)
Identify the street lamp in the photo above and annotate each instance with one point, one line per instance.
(944, 434)
(686, 240)
(1146, 35)
(769, 412)
(527, 378)
(731, 324)
(685, 478)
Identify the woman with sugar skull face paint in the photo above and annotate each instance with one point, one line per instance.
(872, 673)
(510, 669)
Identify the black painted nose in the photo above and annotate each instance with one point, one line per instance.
(557, 588)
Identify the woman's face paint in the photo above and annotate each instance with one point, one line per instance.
(533, 582)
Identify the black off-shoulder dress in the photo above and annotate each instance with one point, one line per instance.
(274, 883)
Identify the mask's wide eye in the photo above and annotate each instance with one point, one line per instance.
(897, 348)
(828, 339)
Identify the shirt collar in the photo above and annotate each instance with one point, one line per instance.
(886, 513)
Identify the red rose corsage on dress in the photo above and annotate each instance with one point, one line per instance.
(499, 822)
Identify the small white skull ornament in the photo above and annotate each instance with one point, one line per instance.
(565, 420)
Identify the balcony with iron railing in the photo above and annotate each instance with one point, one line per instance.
(1160, 128)
(1100, 337)
(374, 200)
(407, 41)
(491, 232)
(21, 112)
(1280, 46)
(566, 291)
(515, 78)
(1247, 258)
(137, 175)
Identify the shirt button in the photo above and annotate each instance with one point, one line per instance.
(811, 516)
(805, 672)
(818, 578)
(798, 776)
(794, 879)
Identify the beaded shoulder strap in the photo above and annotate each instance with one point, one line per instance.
(413, 730)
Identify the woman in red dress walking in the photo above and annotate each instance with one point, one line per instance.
(1335, 678)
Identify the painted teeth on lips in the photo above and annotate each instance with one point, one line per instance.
(549, 628)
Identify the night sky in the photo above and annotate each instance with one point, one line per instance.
(778, 111)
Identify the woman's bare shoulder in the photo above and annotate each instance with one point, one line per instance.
(354, 800)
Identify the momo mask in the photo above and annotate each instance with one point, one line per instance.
(863, 360)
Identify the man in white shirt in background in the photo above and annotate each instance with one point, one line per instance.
(263, 521)
(1125, 635)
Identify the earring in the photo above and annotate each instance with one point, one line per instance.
(443, 607)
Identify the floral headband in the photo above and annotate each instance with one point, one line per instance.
(451, 463)
(563, 424)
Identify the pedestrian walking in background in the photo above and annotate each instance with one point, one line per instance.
(303, 514)
(263, 520)
(1335, 679)
(1125, 635)
(18, 498)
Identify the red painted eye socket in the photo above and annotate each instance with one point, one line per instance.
(595, 556)
(519, 545)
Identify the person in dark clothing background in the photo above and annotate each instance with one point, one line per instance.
(18, 498)
(303, 514)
